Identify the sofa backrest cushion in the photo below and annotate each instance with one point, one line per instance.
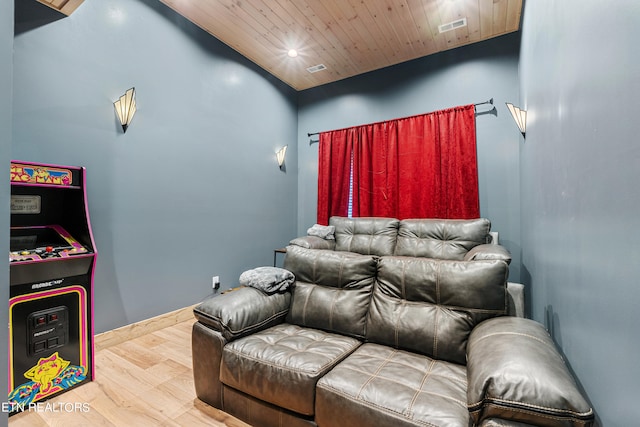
(441, 238)
(332, 290)
(367, 236)
(430, 306)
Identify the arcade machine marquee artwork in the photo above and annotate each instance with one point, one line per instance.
(52, 258)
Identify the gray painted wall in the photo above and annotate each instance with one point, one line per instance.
(6, 72)
(572, 184)
(462, 76)
(579, 79)
(193, 188)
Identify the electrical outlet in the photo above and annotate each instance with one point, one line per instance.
(215, 282)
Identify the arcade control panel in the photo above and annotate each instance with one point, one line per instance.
(30, 244)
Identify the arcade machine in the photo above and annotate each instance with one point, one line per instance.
(51, 261)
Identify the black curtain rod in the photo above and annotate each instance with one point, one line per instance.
(474, 105)
(485, 102)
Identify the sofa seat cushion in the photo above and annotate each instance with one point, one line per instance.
(378, 385)
(281, 365)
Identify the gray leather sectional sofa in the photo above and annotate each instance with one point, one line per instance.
(394, 323)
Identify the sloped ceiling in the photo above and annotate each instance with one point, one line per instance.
(348, 37)
(64, 6)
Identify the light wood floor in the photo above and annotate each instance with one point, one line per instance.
(146, 381)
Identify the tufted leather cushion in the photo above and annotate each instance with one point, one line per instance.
(332, 289)
(380, 386)
(282, 365)
(441, 238)
(516, 373)
(430, 306)
(367, 236)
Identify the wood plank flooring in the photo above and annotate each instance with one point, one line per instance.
(144, 381)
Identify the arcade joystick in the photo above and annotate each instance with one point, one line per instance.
(49, 252)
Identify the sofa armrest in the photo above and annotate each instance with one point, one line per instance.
(515, 299)
(206, 351)
(499, 422)
(488, 251)
(515, 372)
(313, 242)
(243, 311)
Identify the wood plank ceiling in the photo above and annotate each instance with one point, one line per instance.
(65, 6)
(349, 37)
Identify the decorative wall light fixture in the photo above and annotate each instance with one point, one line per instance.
(520, 116)
(280, 155)
(126, 107)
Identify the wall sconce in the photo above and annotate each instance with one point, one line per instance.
(126, 108)
(520, 116)
(280, 155)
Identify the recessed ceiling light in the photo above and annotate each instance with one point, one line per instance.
(292, 53)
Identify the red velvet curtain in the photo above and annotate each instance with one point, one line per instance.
(422, 166)
(334, 168)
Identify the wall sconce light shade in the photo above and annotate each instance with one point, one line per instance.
(280, 155)
(520, 117)
(126, 107)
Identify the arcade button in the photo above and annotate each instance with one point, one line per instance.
(24, 253)
(39, 346)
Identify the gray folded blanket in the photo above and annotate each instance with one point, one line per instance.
(267, 279)
(324, 231)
